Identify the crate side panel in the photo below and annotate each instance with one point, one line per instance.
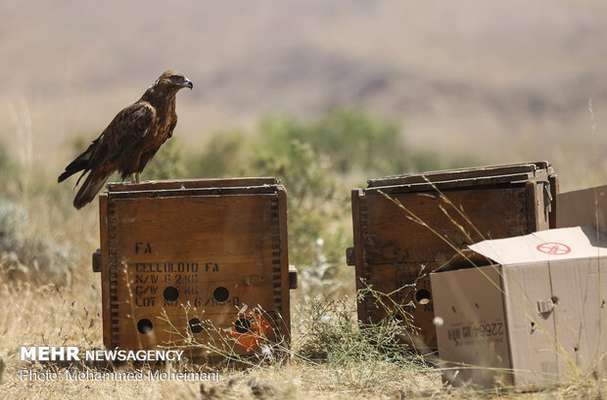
(395, 234)
(179, 226)
(397, 238)
(175, 253)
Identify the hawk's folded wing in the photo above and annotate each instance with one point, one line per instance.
(128, 130)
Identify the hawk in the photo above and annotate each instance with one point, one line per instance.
(131, 140)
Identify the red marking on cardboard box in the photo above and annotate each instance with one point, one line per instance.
(554, 248)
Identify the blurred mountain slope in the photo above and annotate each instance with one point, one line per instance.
(456, 72)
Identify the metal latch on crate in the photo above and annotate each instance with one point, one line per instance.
(548, 198)
(350, 258)
(292, 277)
(97, 261)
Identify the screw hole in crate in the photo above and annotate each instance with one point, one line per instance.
(144, 325)
(171, 294)
(221, 294)
(423, 296)
(195, 325)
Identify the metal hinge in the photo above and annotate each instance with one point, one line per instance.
(547, 198)
(292, 278)
(350, 256)
(96, 261)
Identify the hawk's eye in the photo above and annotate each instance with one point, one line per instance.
(176, 77)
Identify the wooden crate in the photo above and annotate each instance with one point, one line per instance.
(194, 259)
(394, 251)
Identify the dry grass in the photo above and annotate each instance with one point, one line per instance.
(332, 359)
(46, 315)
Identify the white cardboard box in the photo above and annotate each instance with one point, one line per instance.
(531, 313)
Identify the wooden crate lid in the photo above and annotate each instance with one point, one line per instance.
(462, 177)
(252, 185)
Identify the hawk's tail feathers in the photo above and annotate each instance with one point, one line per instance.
(80, 163)
(89, 189)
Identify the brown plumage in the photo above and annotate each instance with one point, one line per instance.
(130, 140)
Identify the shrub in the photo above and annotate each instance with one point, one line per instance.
(353, 141)
(330, 332)
(168, 163)
(26, 255)
(312, 195)
(9, 171)
(224, 154)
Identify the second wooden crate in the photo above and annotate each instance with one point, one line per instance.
(407, 226)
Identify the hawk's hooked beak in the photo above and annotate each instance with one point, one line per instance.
(188, 83)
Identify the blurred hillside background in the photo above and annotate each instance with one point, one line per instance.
(498, 81)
